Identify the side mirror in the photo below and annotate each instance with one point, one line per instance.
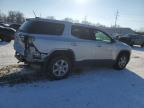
(113, 41)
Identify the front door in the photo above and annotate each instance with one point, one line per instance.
(103, 45)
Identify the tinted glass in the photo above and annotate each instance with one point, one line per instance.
(41, 27)
(81, 32)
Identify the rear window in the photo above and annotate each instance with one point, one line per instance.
(41, 27)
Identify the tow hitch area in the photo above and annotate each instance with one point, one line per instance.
(31, 52)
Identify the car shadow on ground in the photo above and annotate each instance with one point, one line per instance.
(25, 74)
(12, 75)
(16, 74)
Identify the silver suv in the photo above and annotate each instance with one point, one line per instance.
(60, 45)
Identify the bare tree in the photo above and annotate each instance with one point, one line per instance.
(19, 17)
(51, 17)
(15, 17)
(68, 19)
(11, 16)
(141, 29)
(86, 22)
(99, 25)
(76, 21)
(3, 17)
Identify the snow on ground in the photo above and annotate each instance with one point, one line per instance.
(137, 61)
(7, 54)
(99, 87)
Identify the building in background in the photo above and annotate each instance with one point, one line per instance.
(118, 31)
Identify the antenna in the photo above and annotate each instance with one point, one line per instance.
(40, 14)
(34, 13)
(116, 18)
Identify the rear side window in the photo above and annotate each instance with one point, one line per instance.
(81, 32)
(41, 27)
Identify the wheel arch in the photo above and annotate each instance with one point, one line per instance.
(61, 52)
(124, 52)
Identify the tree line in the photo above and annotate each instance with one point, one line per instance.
(12, 17)
(19, 18)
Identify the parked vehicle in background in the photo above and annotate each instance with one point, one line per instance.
(125, 39)
(6, 33)
(4, 24)
(60, 45)
(117, 36)
(133, 40)
(15, 26)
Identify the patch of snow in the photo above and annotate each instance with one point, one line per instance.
(7, 54)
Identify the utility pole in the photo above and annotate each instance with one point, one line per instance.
(116, 18)
(85, 18)
(84, 21)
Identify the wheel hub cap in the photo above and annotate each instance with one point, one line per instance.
(60, 68)
(122, 61)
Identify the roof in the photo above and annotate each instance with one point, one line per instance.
(49, 20)
(61, 21)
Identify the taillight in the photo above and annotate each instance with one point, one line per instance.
(30, 40)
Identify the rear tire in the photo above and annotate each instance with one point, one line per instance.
(121, 62)
(58, 67)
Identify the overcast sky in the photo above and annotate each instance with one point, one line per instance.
(131, 12)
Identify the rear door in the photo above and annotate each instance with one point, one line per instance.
(83, 44)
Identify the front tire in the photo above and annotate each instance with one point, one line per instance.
(58, 68)
(121, 61)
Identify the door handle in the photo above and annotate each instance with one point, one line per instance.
(99, 46)
(74, 44)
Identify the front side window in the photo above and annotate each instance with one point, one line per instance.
(100, 36)
(81, 32)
